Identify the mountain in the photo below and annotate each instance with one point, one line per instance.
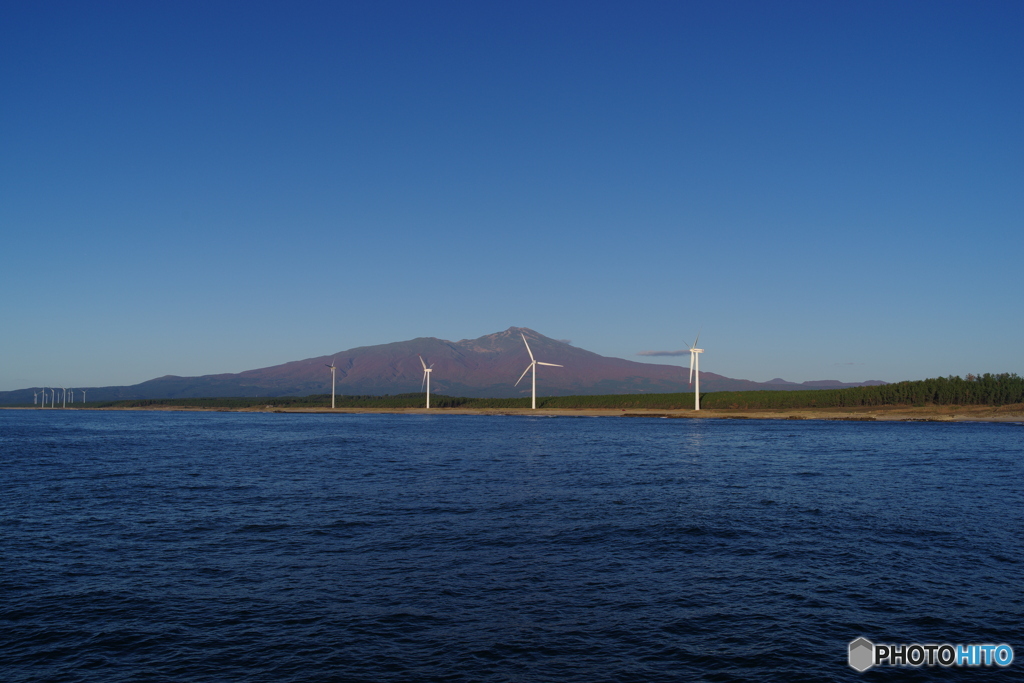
(483, 367)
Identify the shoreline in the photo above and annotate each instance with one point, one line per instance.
(1011, 413)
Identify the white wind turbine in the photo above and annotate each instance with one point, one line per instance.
(333, 369)
(695, 371)
(426, 378)
(533, 366)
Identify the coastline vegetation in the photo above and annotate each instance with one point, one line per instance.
(987, 389)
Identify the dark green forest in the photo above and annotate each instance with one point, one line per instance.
(987, 389)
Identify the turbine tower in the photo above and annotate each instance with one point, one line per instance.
(695, 371)
(533, 366)
(426, 378)
(333, 369)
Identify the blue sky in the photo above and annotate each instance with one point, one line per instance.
(828, 190)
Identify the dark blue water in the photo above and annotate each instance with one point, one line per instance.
(266, 547)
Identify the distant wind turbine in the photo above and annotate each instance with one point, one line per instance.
(83, 395)
(533, 366)
(35, 398)
(333, 369)
(426, 378)
(695, 371)
(63, 397)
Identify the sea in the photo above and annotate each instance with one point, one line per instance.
(209, 546)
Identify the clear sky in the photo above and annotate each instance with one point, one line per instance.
(828, 190)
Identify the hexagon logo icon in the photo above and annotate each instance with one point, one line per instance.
(862, 654)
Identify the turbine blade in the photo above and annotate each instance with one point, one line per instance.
(551, 364)
(423, 381)
(422, 362)
(523, 375)
(692, 354)
(696, 340)
(527, 346)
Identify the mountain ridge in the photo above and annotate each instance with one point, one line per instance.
(483, 367)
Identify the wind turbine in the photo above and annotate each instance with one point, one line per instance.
(35, 398)
(533, 366)
(333, 369)
(695, 371)
(83, 395)
(426, 378)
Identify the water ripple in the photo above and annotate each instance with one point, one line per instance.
(177, 546)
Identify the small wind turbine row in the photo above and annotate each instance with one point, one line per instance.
(427, 369)
(66, 396)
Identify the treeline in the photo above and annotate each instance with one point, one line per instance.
(278, 402)
(324, 401)
(987, 389)
(312, 401)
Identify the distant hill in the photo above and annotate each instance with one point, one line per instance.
(484, 367)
